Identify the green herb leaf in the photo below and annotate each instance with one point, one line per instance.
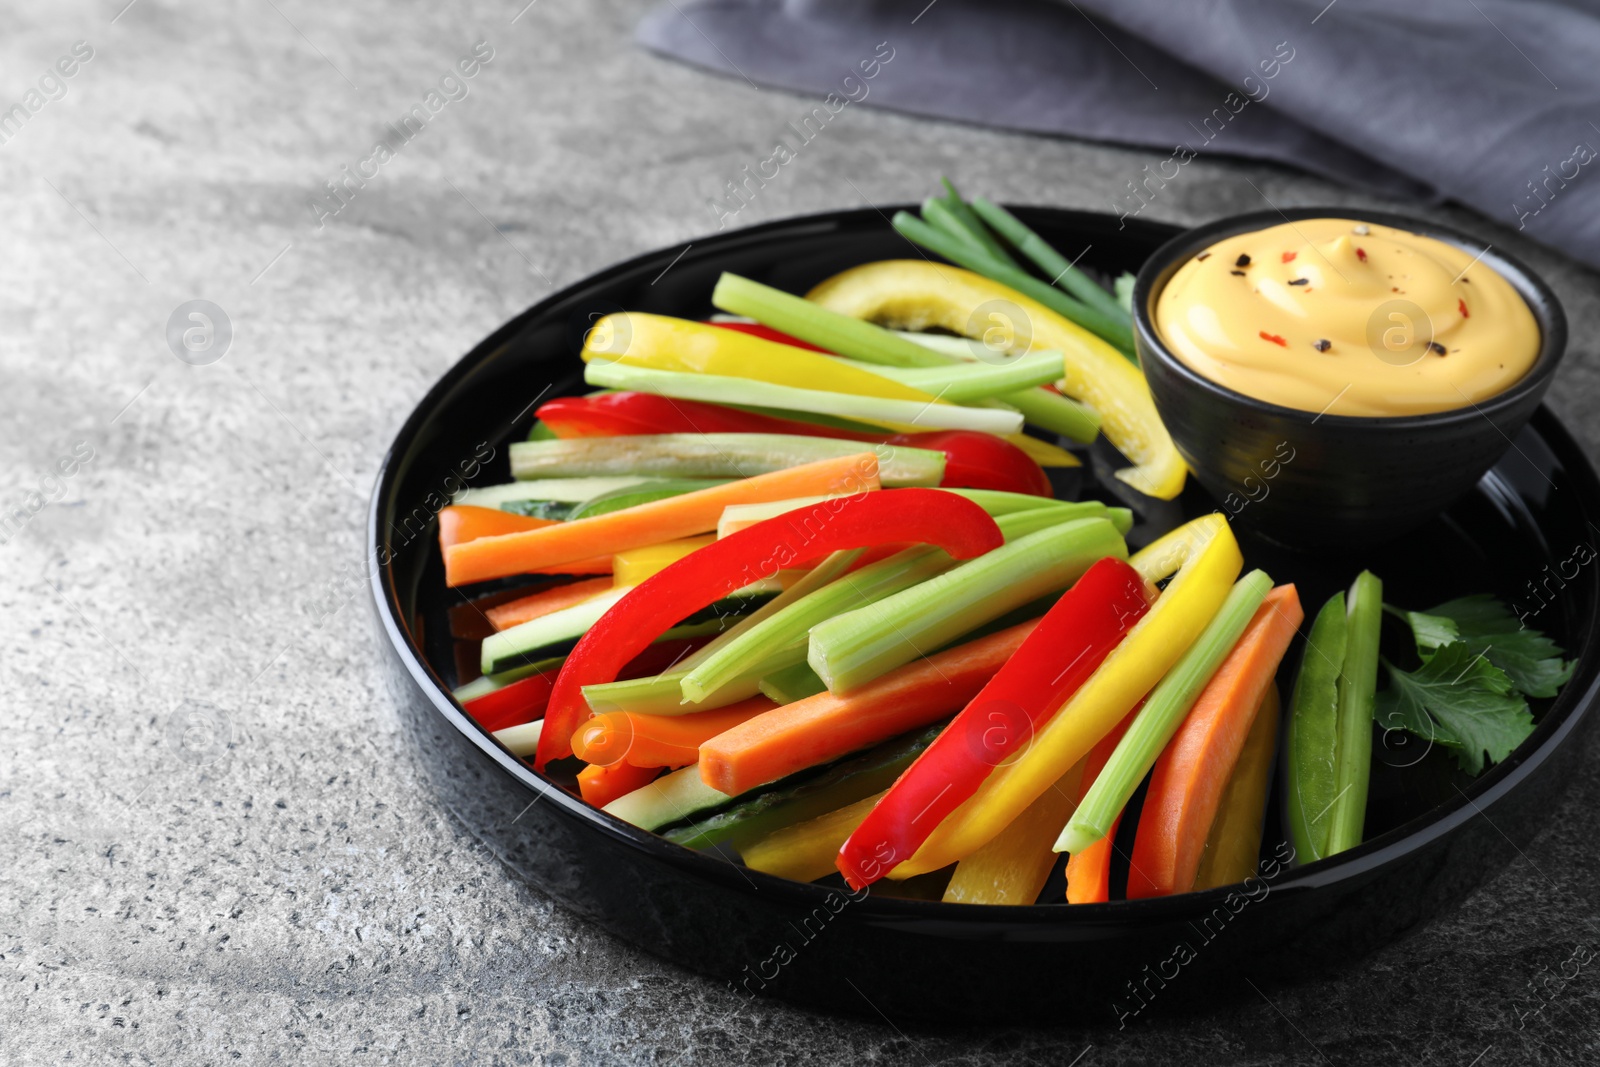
(1430, 631)
(1461, 700)
(1485, 625)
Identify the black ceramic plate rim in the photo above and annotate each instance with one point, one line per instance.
(1552, 340)
(1368, 858)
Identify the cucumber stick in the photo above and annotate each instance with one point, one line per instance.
(843, 783)
(662, 694)
(567, 490)
(643, 493)
(719, 389)
(1313, 733)
(669, 799)
(1358, 685)
(851, 649)
(1161, 715)
(713, 455)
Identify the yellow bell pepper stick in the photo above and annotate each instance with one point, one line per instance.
(808, 850)
(1205, 559)
(1234, 844)
(636, 564)
(1013, 867)
(661, 342)
(916, 295)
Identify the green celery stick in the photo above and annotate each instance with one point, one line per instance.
(1161, 716)
(1358, 686)
(855, 647)
(719, 389)
(799, 317)
(1313, 734)
(792, 683)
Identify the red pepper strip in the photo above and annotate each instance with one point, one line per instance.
(767, 333)
(524, 700)
(701, 578)
(1000, 722)
(625, 414)
(981, 461)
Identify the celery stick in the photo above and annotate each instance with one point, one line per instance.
(860, 645)
(1043, 408)
(792, 683)
(963, 382)
(662, 694)
(1112, 328)
(1358, 685)
(717, 389)
(1161, 716)
(836, 332)
(715, 455)
(1056, 267)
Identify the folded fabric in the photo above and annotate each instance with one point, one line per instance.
(1487, 102)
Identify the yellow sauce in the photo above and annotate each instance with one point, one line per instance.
(1348, 317)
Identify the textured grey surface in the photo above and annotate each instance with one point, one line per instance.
(299, 897)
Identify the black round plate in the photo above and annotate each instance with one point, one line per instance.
(1432, 834)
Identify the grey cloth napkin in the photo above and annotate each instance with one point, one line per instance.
(1494, 104)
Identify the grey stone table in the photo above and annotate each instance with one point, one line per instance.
(214, 844)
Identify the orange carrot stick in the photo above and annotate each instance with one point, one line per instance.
(658, 740)
(460, 523)
(1089, 869)
(647, 524)
(601, 785)
(528, 608)
(826, 726)
(1188, 779)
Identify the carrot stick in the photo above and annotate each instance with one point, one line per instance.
(658, 740)
(826, 726)
(544, 602)
(460, 523)
(1233, 847)
(1188, 779)
(601, 785)
(1089, 869)
(648, 524)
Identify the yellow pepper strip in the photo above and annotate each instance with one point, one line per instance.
(661, 342)
(1044, 453)
(916, 295)
(1234, 844)
(636, 564)
(808, 850)
(1012, 868)
(1205, 558)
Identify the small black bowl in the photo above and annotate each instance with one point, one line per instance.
(1321, 480)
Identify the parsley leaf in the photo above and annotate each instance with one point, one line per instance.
(1461, 700)
(1486, 626)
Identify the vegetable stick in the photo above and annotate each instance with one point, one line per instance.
(658, 740)
(522, 740)
(1358, 687)
(718, 456)
(545, 601)
(805, 851)
(647, 524)
(1233, 846)
(1013, 866)
(636, 564)
(1089, 869)
(460, 523)
(826, 726)
(600, 785)
(1190, 775)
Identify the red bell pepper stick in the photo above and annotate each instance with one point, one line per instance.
(767, 333)
(1062, 652)
(975, 460)
(627, 413)
(698, 580)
